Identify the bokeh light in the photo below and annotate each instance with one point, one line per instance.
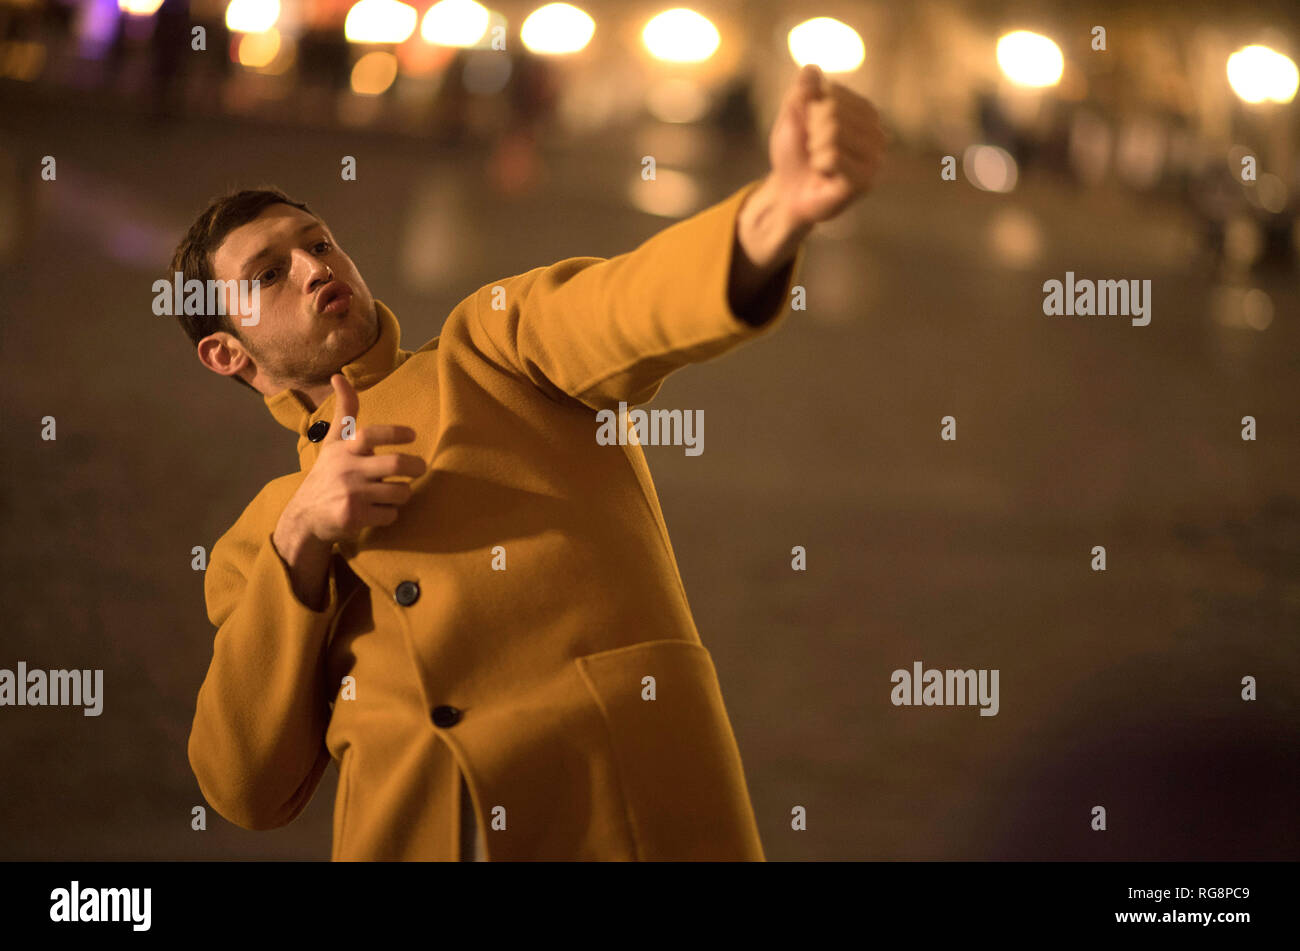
(257, 50)
(556, 29)
(990, 168)
(1030, 59)
(455, 23)
(140, 8)
(374, 73)
(380, 21)
(672, 194)
(1259, 74)
(677, 100)
(681, 36)
(825, 41)
(252, 16)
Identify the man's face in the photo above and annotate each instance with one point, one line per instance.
(294, 343)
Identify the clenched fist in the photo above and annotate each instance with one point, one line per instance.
(826, 146)
(343, 494)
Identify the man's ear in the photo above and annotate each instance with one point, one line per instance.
(222, 353)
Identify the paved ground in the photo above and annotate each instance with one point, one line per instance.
(1118, 689)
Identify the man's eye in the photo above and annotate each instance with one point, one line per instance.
(324, 244)
(265, 278)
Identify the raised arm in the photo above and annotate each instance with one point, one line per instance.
(601, 331)
(608, 330)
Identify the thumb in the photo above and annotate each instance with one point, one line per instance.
(345, 404)
(810, 85)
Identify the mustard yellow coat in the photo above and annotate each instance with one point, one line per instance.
(528, 681)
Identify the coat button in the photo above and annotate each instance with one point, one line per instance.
(445, 716)
(318, 430)
(407, 593)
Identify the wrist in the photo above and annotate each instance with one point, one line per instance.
(767, 229)
(307, 560)
(293, 537)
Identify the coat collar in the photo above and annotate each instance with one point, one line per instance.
(365, 371)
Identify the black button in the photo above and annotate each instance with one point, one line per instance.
(407, 593)
(318, 430)
(445, 716)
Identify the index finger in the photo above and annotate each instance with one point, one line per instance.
(382, 435)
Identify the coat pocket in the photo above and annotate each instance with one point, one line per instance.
(341, 804)
(676, 754)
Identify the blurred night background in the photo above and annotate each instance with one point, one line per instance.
(1118, 688)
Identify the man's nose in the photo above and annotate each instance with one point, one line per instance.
(318, 273)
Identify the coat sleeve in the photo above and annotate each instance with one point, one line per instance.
(257, 745)
(608, 330)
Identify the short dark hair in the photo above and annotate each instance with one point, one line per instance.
(193, 256)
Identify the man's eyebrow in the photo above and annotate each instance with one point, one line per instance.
(265, 252)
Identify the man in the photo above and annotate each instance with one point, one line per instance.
(483, 623)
